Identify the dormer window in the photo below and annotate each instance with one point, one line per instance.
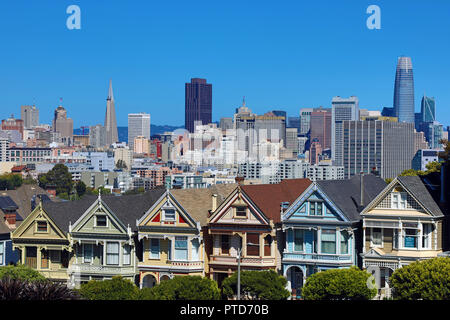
(399, 200)
(42, 226)
(241, 212)
(169, 214)
(101, 221)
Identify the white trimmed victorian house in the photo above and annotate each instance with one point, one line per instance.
(401, 225)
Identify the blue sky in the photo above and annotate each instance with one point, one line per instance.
(279, 54)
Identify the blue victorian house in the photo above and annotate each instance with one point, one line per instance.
(322, 227)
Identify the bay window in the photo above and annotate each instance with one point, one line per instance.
(298, 240)
(181, 248)
(426, 235)
(410, 238)
(253, 244)
(87, 252)
(328, 241)
(377, 237)
(154, 248)
(344, 242)
(195, 249)
(112, 253)
(127, 254)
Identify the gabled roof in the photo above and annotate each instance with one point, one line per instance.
(420, 192)
(22, 198)
(268, 197)
(127, 208)
(198, 202)
(346, 194)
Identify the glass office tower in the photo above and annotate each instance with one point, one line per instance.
(404, 91)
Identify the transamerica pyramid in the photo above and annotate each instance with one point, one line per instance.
(110, 118)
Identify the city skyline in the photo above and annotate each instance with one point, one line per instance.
(288, 79)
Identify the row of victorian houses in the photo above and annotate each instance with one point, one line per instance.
(297, 227)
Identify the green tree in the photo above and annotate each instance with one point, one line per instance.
(20, 272)
(10, 181)
(80, 188)
(434, 166)
(183, 288)
(121, 164)
(338, 284)
(260, 285)
(58, 177)
(135, 191)
(117, 288)
(422, 280)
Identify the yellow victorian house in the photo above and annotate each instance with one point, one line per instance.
(42, 240)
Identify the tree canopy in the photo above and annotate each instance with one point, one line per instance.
(339, 284)
(258, 285)
(183, 288)
(117, 288)
(10, 181)
(422, 280)
(58, 177)
(20, 272)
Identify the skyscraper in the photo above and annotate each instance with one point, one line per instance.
(321, 127)
(110, 118)
(341, 109)
(63, 125)
(428, 109)
(305, 118)
(384, 146)
(198, 103)
(404, 90)
(30, 116)
(138, 126)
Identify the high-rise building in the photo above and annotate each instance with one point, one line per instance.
(383, 146)
(404, 90)
(252, 129)
(342, 109)
(110, 118)
(294, 122)
(433, 132)
(141, 145)
(13, 124)
(30, 116)
(226, 124)
(292, 140)
(63, 125)
(97, 136)
(315, 151)
(305, 118)
(198, 103)
(320, 128)
(428, 109)
(138, 126)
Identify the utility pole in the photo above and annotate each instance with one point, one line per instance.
(239, 274)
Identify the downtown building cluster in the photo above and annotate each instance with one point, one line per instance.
(298, 194)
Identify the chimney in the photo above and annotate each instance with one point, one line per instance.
(239, 180)
(361, 187)
(10, 217)
(214, 202)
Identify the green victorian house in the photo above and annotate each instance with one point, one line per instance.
(91, 238)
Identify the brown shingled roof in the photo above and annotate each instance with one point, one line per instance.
(22, 197)
(197, 202)
(268, 197)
